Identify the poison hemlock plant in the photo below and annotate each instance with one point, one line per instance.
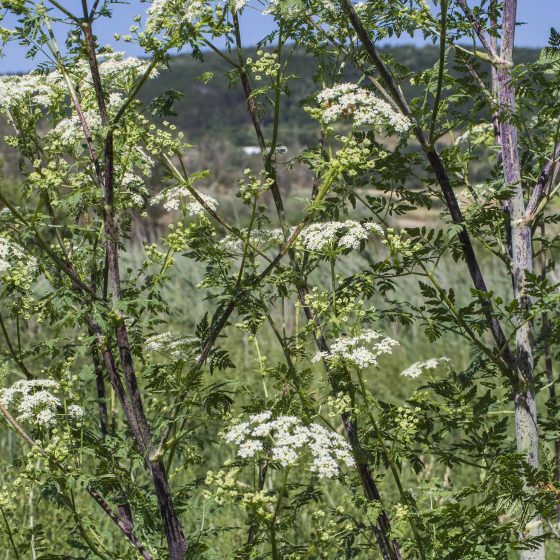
(253, 383)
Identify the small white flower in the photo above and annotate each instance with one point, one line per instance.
(249, 448)
(118, 66)
(70, 131)
(165, 14)
(76, 412)
(36, 88)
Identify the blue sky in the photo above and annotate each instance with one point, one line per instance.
(536, 15)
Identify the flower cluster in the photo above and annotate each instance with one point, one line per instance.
(227, 488)
(134, 189)
(225, 483)
(326, 9)
(361, 351)
(346, 235)
(286, 438)
(117, 71)
(262, 238)
(116, 66)
(356, 155)
(418, 368)
(169, 14)
(35, 402)
(177, 198)
(351, 101)
(175, 346)
(37, 87)
(70, 130)
(76, 412)
(250, 187)
(399, 246)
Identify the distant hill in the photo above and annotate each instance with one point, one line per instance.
(217, 108)
(213, 114)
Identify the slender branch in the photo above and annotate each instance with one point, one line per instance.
(183, 179)
(10, 534)
(220, 323)
(128, 532)
(66, 12)
(12, 351)
(441, 68)
(484, 38)
(537, 194)
(548, 366)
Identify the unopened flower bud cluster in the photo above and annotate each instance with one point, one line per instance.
(406, 421)
(399, 246)
(338, 404)
(224, 487)
(265, 65)
(250, 187)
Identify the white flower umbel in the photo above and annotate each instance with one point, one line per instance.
(36, 88)
(169, 14)
(117, 66)
(172, 345)
(36, 402)
(70, 131)
(348, 235)
(291, 442)
(238, 5)
(76, 412)
(33, 400)
(362, 106)
(361, 351)
(418, 368)
(177, 198)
